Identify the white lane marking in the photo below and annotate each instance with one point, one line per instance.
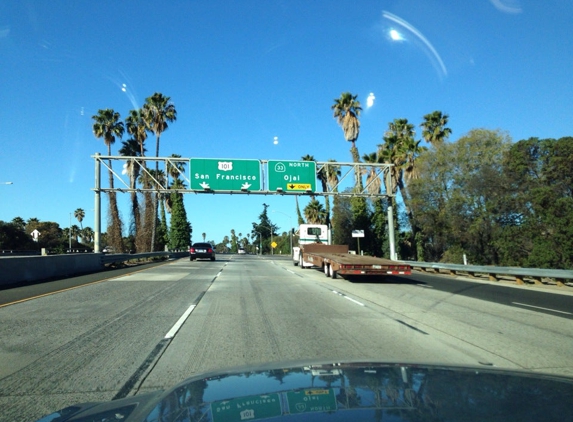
(546, 309)
(218, 274)
(292, 272)
(425, 286)
(352, 300)
(179, 323)
(346, 297)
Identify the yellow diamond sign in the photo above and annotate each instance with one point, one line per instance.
(274, 244)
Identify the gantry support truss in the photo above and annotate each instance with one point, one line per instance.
(336, 175)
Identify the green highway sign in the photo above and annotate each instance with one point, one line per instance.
(212, 174)
(292, 176)
(311, 400)
(247, 408)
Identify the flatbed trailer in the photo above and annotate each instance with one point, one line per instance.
(335, 259)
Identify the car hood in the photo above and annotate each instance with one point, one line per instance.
(355, 391)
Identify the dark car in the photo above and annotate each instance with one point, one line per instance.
(351, 391)
(202, 250)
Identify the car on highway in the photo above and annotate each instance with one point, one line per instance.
(242, 251)
(202, 250)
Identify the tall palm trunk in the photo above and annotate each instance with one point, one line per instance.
(134, 201)
(356, 159)
(156, 198)
(115, 230)
(298, 213)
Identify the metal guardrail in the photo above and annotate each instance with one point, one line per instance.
(536, 275)
(122, 257)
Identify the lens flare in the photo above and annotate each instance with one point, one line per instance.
(428, 47)
(370, 100)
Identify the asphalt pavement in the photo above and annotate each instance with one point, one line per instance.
(151, 329)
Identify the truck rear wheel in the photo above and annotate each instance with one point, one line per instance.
(332, 273)
(327, 270)
(301, 262)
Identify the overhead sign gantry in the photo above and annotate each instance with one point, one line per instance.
(241, 176)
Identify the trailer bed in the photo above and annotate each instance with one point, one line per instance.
(335, 259)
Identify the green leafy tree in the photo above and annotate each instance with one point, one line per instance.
(175, 169)
(13, 236)
(107, 126)
(342, 221)
(455, 198)
(19, 223)
(234, 242)
(265, 228)
(51, 234)
(180, 229)
(377, 242)
(536, 210)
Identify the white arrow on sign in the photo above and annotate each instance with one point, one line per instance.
(245, 185)
(205, 185)
(35, 234)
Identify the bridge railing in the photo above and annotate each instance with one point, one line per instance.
(538, 276)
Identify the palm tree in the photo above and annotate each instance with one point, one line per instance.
(80, 214)
(401, 150)
(346, 112)
(131, 148)
(158, 111)
(315, 213)
(87, 234)
(204, 236)
(108, 126)
(175, 169)
(137, 127)
(397, 140)
(373, 182)
(434, 128)
(75, 232)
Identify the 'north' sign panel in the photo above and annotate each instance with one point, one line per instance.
(292, 176)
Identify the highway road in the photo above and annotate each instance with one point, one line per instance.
(152, 328)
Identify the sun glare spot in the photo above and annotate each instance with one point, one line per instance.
(370, 100)
(395, 35)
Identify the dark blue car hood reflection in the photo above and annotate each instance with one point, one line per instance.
(349, 392)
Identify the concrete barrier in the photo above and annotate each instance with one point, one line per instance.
(32, 268)
(19, 269)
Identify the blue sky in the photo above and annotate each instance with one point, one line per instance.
(241, 73)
